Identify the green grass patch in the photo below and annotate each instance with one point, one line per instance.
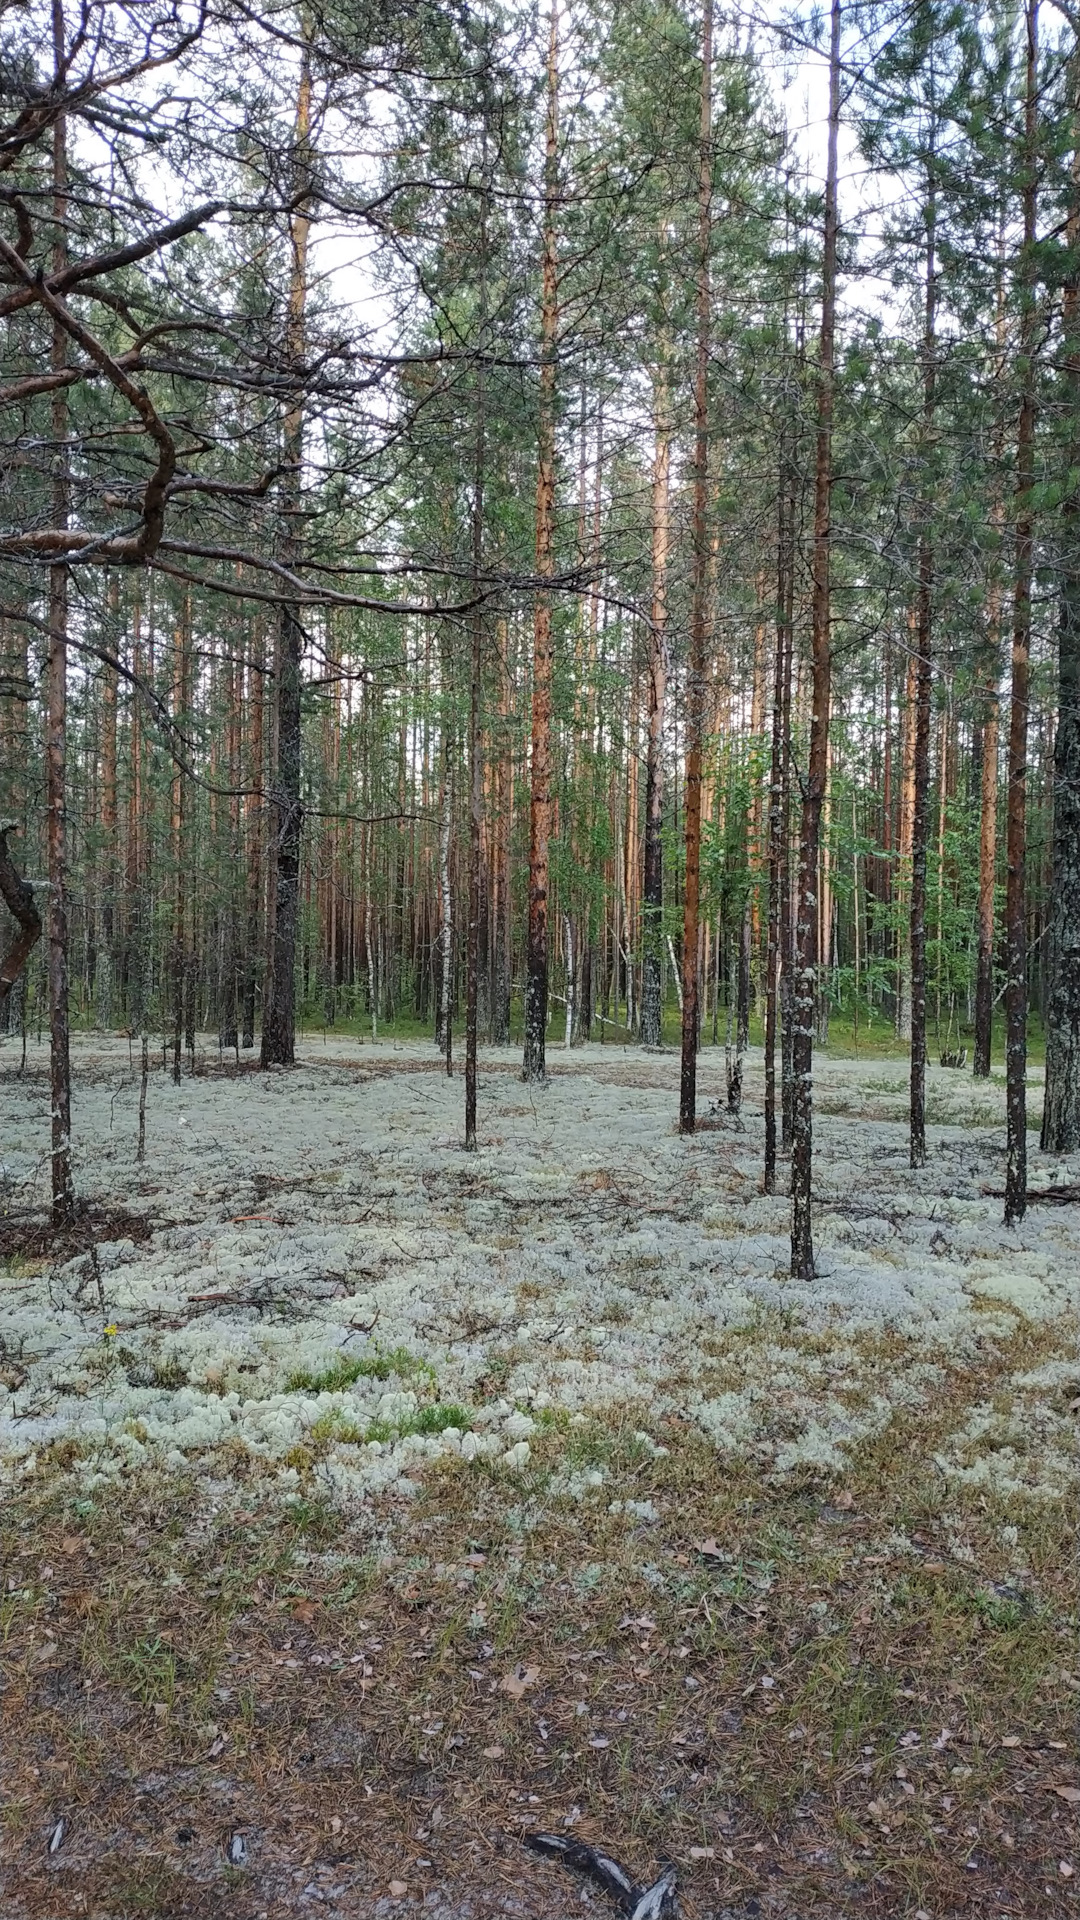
(345, 1371)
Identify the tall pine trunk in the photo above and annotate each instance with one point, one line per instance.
(63, 1192)
(988, 766)
(180, 945)
(696, 665)
(652, 960)
(1061, 1107)
(817, 772)
(536, 962)
(476, 671)
(779, 823)
(1016, 824)
(988, 795)
(502, 924)
(286, 810)
(104, 993)
(923, 689)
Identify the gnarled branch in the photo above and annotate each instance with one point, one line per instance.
(18, 897)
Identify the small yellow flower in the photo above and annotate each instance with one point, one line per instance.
(111, 1332)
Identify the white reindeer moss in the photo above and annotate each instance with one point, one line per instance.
(330, 1291)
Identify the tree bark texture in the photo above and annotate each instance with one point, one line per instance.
(286, 809)
(476, 689)
(806, 926)
(778, 798)
(1061, 1105)
(696, 664)
(1016, 818)
(923, 690)
(18, 898)
(63, 1191)
(652, 946)
(988, 765)
(536, 968)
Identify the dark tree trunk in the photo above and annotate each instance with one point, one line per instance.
(286, 809)
(696, 665)
(18, 897)
(923, 688)
(652, 946)
(255, 814)
(180, 968)
(806, 932)
(501, 902)
(104, 994)
(63, 1191)
(1061, 1107)
(988, 788)
(777, 956)
(988, 764)
(476, 671)
(1016, 842)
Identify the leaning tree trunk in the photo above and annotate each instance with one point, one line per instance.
(696, 665)
(652, 946)
(286, 811)
(536, 959)
(1016, 820)
(817, 773)
(63, 1192)
(923, 688)
(1061, 1107)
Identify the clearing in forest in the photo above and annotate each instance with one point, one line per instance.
(367, 1504)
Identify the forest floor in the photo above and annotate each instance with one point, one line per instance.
(365, 1504)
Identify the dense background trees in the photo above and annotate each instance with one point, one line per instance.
(478, 498)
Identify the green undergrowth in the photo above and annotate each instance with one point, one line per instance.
(346, 1371)
(336, 1427)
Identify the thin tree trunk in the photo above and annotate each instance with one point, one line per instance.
(568, 938)
(988, 795)
(476, 670)
(905, 832)
(652, 960)
(1061, 1107)
(279, 1009)
(923, 689)
(444, 1013)
(255, 814)
(778, 796)
(536, 981)
(806, 935)
(105, 989)
(988, 770)
(63, 1192)
(502, 916)
(179, 844)
(1016, 827)
(696, 665)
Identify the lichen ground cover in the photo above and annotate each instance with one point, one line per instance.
(346, 1404)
